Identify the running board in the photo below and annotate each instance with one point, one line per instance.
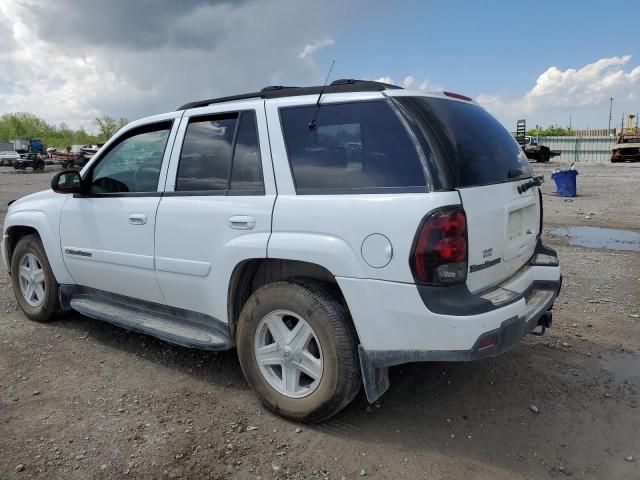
(174, 325)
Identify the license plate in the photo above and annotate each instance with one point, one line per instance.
(521, 224)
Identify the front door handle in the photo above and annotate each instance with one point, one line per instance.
(242, 222)
(137, 219)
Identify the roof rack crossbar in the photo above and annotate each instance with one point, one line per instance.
(279, 91)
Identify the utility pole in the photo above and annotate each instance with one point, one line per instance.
(610, 110)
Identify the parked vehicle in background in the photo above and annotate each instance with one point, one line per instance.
(539, 153)
(21, 146)
(326, 232)
(29, 160)
(36, 145)
(627, 149)
(8, 157)
(75, 156)
(7, 147)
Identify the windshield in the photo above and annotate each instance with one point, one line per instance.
(479, 150)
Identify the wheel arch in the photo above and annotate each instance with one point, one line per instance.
(251, 274)
(14, 234)
(33, 222)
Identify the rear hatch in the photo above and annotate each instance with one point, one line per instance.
(487, 167)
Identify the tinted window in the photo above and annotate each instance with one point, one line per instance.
(205, 160)
(246, 174)
(133, 163)
(359, 145)
(479, 150)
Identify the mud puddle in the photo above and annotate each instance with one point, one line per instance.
(597, 237)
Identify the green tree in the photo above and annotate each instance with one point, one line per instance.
(108, 126)
(551, 131)
(26, 126)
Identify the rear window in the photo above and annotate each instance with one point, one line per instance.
(359, 147)
(479, 150)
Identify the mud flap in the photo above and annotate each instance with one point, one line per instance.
(375, 379)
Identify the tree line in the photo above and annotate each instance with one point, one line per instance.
(27, 126)
(552, 131)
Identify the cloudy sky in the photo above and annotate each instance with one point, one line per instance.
(72, 60)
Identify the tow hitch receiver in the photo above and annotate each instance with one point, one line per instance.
(545, 322)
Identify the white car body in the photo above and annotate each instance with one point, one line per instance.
(184, 251)
(8, 157)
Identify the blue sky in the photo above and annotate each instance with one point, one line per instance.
(543, 62)
(492, 47)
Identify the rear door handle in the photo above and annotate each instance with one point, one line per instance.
(137, 219)
(242, 222)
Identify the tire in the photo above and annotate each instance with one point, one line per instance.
(47, 307)
(334, 340)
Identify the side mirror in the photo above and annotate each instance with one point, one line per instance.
(67, 182)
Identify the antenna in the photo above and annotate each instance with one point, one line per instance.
(313, 122)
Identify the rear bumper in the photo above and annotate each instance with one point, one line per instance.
(375, 363)
(395, 326)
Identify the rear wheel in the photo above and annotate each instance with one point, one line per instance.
(34, 285)
(298, 351)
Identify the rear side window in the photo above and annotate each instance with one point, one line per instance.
(359, 147)
(220, 154)
(479, 150)
(246, 174)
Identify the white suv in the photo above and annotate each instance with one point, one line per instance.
(327, 234)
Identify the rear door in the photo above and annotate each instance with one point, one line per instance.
(503, 228)
(216, 209)
(488, 167)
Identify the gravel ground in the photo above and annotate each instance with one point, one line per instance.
(83, 399)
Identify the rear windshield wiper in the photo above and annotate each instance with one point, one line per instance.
(534, 182)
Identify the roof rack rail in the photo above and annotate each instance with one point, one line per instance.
(271, 88)
(278, 91)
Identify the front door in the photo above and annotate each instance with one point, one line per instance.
(107, 235)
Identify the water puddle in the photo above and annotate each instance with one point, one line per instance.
(624, 368)
(596, 237)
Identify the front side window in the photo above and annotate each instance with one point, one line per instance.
(220, 153)
(133, 164)
(357, 147)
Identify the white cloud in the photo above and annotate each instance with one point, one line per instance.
(410, 82)
(555, 89)
(312, 48)
(138, 61)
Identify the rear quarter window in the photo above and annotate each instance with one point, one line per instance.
(359, 147)
(478, 149)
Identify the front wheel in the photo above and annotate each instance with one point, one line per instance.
(34, 285)
(297, 349)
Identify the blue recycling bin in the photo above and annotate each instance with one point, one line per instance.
(565, 182)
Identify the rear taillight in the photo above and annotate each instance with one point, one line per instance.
(439, 254)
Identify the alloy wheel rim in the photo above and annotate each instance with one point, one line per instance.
(31, 279)
(289, 354)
